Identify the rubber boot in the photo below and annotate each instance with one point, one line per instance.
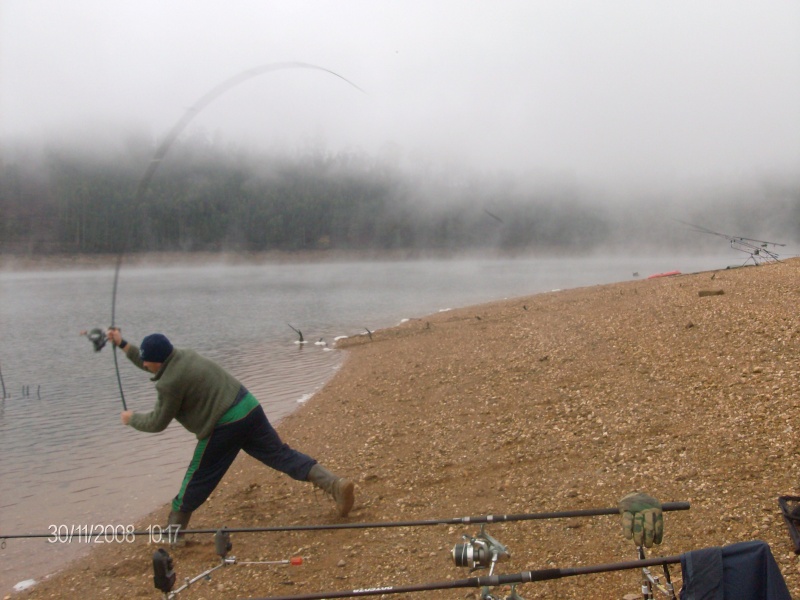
(181, 519)
(342, 490)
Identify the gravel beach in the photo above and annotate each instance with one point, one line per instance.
(686, 387)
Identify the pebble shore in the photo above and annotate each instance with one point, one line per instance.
(687, 387)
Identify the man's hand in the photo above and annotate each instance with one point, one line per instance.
(642, 519)
(115, 335)
(126, 416)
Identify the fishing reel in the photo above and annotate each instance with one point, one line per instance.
(483, 552)
(97, 337)
(480, 552)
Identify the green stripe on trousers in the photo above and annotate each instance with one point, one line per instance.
(193, 466)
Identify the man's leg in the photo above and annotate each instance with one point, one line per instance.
(211, 460)
(265, 445)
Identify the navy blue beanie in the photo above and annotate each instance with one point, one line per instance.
(155, 348)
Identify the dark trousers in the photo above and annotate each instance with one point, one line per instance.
(214, 455)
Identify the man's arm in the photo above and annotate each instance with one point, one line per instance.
(131, 351)
(165, 409)
(157, 419)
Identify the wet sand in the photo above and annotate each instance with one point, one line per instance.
(559, 401)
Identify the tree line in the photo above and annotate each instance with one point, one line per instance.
(208, 197)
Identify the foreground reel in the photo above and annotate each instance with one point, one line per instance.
(483, 552)
(164, 576)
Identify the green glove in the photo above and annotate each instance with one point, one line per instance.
(642, 519)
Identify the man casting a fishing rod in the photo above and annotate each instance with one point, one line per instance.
(225, 417)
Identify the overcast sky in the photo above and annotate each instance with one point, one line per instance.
(614, 91)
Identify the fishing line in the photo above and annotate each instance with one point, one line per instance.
(3, 384)
(567, 514)
(165, 145)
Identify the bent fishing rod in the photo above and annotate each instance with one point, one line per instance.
(486, 581)
(567, 514)
(164, 147)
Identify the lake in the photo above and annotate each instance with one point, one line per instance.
(67, 460)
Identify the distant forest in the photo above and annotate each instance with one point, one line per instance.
(209, 197)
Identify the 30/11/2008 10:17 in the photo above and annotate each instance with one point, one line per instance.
(109, 534)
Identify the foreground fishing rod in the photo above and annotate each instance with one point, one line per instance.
(481, 551)
(164, 147)
(486, 581)
(166, 533)
(165, 577)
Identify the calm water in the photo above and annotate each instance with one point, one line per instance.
(64, 456)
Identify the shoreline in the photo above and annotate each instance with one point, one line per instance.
(54, 262)
(15, 263)
(557, 401)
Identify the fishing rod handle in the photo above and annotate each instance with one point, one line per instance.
(675, 506)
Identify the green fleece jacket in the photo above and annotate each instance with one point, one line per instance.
(191, 389)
